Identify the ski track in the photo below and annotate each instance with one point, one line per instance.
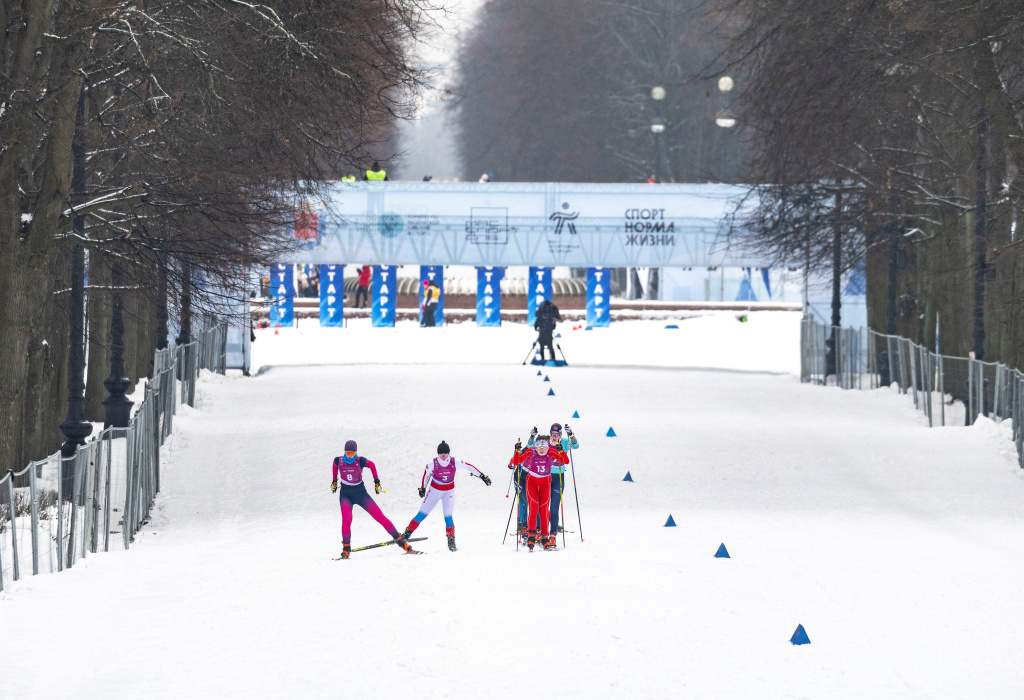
(897, 547)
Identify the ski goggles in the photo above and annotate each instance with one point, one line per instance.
(541, 442)
(350, 453)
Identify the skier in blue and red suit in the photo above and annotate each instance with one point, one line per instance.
(537, 462)
(348, 483)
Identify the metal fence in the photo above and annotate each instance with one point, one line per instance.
(59, 510)
(947, 390)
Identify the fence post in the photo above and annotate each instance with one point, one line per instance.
(14, 526)
(34, 498)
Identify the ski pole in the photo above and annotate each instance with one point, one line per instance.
(510, 480)
(576, 493)
(530, 352)
(563, 354)
(509, 522)
(561, 503)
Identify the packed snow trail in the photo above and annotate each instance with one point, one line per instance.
(897, 547)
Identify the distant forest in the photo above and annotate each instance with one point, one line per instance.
(560, 90)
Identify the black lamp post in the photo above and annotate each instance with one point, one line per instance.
(117, 408)
(657, 128)
(75, 428)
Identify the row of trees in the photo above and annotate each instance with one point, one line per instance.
(166, 144)
(560, 90)
(895, 131)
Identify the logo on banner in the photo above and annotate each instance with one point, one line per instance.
(564, 221)
(488, 225)
(390, 225)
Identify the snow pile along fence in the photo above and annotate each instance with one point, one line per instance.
(59, 510)
(949, 390)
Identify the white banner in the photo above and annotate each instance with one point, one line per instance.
(540, 224)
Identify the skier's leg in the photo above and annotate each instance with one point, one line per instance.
(448, 506)
(543, 507)
(556, 500)
(429, 501)
(346, 520)
(533, 499)
(374, 510)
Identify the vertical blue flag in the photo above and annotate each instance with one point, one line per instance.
(488, 295)
(435, 274)
(385, 296)
(332, 296)
(538, 289)
(599, 293)
(282, 294)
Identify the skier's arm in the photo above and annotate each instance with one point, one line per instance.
(426, 474)
(334, 470)
(373, 470)
(520, 458)
(459, 464)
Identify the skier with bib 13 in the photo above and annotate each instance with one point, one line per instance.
(348, 483)
(441, 487)
(537, 462)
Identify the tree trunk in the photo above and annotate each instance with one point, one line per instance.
(980, 230)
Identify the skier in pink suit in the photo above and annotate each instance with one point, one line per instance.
(348, 483)
(438, 484)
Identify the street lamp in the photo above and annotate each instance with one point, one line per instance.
(725, 118)
(657, 127)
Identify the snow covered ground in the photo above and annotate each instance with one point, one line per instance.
(898, 548)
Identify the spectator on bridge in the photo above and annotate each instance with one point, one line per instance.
(375, 173)
(547, 317)
(363, 286)
(348, 178)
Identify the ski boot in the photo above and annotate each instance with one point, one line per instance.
(406, 533)
(451, 544)
(346, 551)
(552, 544)
(531, 540)
(400, 541)
(450, 532)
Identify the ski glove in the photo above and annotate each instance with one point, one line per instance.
(519, 446)
(423, 491)
(486, 479)
(533, 433)
(568, 430)
(334, 487)
(376, 485)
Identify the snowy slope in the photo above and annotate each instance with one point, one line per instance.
(897, 547)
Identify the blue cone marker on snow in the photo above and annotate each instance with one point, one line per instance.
(551, 392)
(627, 477)
(575, 414)
(800, 636)
(722, 552)
(546, 378)
(670, 522)
(610, 433)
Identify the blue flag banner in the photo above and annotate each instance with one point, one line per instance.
(435, 274)
(539, 289)
(385, 296)
(332, 296)
(282, 295)
(599, 293)
(488, 295)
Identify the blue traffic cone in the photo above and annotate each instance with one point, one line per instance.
(627, 477)
(610, 433)
(670, 522)
(722, 552)
(551, 392)
(575, 414)
(800, 636)
(546, 378)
